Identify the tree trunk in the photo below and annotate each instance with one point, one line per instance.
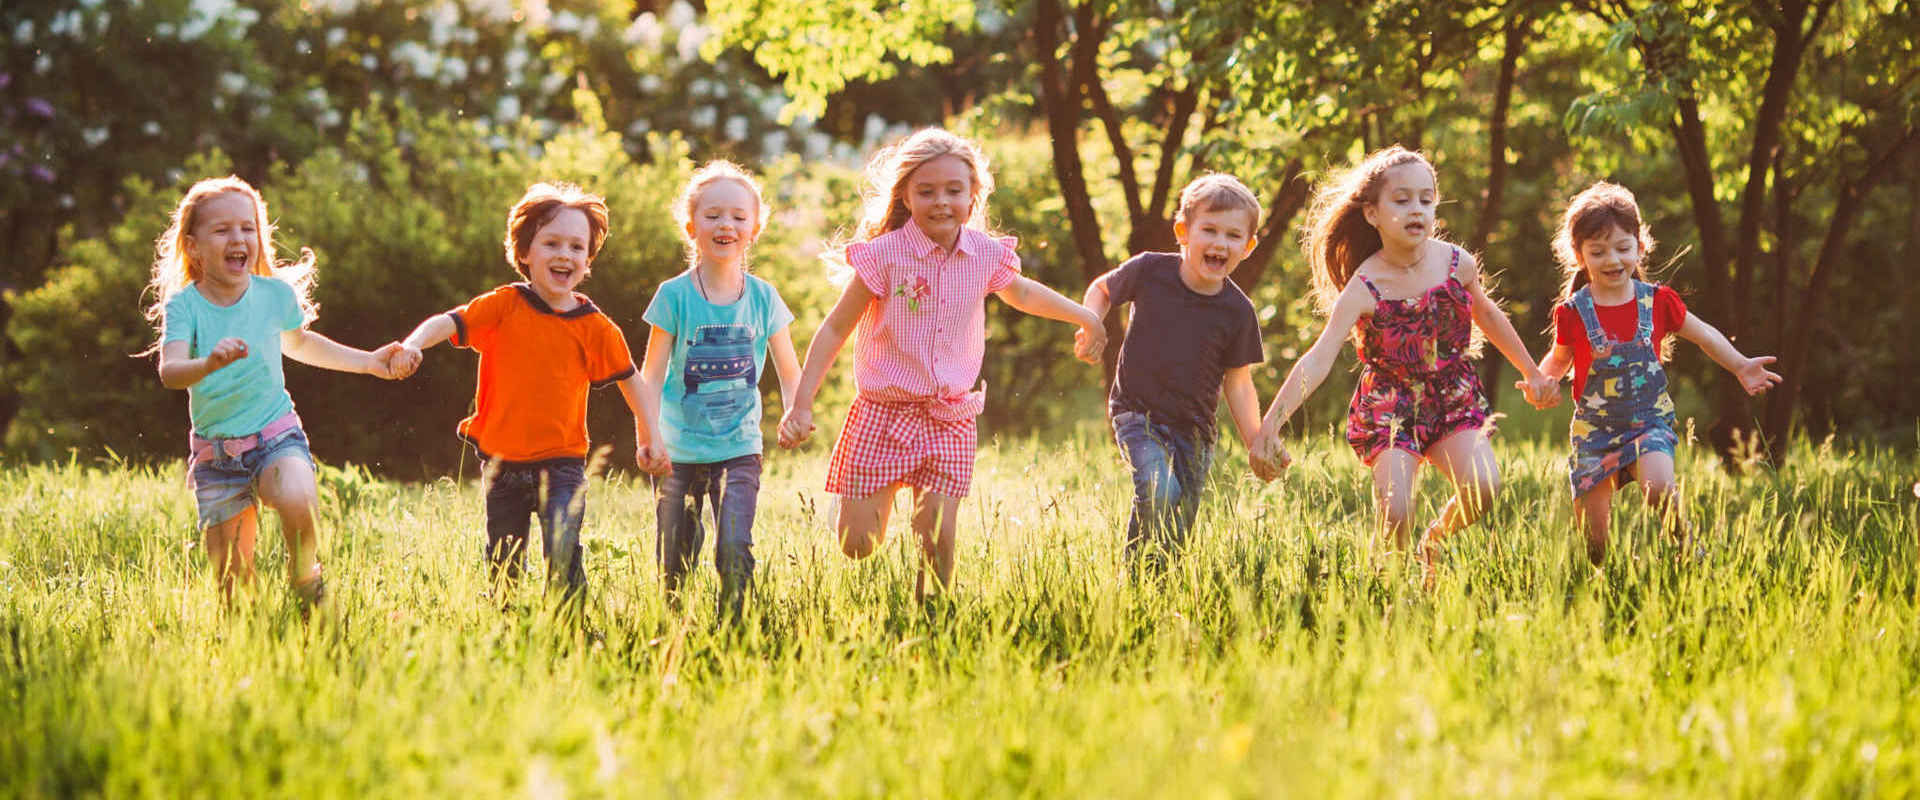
(1292, 196)
(1853, 196)
(1784, 67)
(1514, 41)
(1061, 104)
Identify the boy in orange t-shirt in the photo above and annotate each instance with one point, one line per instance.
(542, 346)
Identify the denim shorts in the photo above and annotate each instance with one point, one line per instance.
(224, 486)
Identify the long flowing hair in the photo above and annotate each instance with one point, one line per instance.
(1338, 236)
(883, 193)
(173, 264)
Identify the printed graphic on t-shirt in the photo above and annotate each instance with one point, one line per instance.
(720, 377)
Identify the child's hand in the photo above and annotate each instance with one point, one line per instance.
(403, 361)
(1754, 375)
(226, 351)
(653, 459)
(387, 362)
(1542, 392)
(796, 426)
(1089, 343)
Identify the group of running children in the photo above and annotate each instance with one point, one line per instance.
(918, 269)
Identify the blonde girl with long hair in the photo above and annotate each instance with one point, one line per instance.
(227, 309)
(923, 263)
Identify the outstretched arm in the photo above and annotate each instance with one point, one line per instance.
(1243, 404)
(307, 347)
(1312, 368)
(1542, 391)
(1098, 301)
(1752, 372)
(642, 390)
(431, 331)
(1033, 297)
(797, 424)
(786, 365)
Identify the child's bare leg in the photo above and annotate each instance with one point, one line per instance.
(1466, 459)
(287, 486)
(1655, 473)
(862, 522)
(936, 520)
(1590, 517)
(230, 547)
(1393, 483)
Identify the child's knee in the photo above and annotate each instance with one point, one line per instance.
(1659, 491)
(858, 544)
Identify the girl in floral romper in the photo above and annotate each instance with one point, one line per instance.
(1408, 300)
(922, 269)
(1608, 328)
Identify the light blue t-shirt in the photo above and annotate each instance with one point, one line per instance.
(242, 397)
(710, 406)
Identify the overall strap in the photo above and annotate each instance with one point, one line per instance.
(1643, 300)
(1454, 263)
(1583, 304)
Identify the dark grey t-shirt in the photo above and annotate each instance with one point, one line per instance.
(1180, 343)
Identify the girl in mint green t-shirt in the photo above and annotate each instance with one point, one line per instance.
(227, 311)
(712, 327)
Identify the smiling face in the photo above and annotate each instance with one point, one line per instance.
(725, 222)
(556, 260)
(1212, 244)
(940, 198)
(1610, 259)
(1403, 212)
(225, 241)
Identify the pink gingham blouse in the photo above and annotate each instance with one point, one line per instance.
(922, 337)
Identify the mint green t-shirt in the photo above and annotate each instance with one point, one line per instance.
(710, 407)
(242, 397)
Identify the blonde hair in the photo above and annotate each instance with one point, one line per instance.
(697, 184)
(1338, 236)
(1593, 212)
(543, 202)
(1216, 192)
(884, 193)
(173, 265)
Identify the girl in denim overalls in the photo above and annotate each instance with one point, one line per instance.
(1608, 328)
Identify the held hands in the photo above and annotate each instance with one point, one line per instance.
(1542, 390)
(1089, 342)
(1754, 375)
(225, 352)
(392, 362)
(796, 426)
(1268, 455)
(652, 458)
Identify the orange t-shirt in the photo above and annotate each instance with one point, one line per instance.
(536, 365)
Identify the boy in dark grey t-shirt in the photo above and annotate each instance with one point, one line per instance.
(1193, 337)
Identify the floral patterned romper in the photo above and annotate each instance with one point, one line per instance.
(1416, 385)
(1625, 412)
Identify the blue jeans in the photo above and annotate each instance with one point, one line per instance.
(1169, 468)
(551, 489)
(732, 488)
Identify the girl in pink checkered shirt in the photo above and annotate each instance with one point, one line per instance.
(923, 264)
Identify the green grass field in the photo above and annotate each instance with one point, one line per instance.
(1273, 661)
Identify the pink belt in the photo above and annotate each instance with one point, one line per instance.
(205, 449)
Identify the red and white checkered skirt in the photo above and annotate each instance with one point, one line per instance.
(926, 444)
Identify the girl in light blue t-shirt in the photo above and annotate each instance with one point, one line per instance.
(227, 311)
(712, 327)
